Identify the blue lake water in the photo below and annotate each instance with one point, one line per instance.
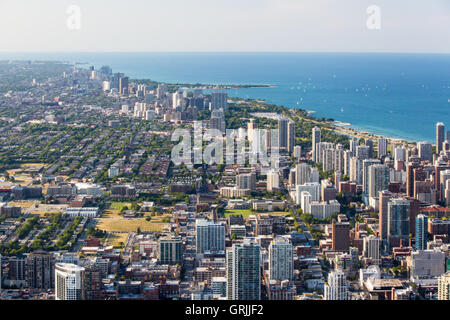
(397, 95)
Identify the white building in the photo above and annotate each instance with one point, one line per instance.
(336, 287)
(281, 259)
(302, 174)
(372, 249)
(69, 282)
(305, 201)
(210, 236)
(88, 212)
(323, 210)
(273, 180)
(313, 188)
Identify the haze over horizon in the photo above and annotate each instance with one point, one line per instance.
(225, 26)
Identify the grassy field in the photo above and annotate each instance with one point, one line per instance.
(114, 209)
(44, 213)
(247, 212)
(119, 205)
(118, 240)
(23, 204)
(131, 225)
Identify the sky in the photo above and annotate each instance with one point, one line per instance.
(405, 26)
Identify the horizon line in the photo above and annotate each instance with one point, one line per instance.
(227, 52)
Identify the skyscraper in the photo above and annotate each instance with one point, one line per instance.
(170, 250)
(291, 137)
(378, 179)
(40, 270)
(336, 286)
(281, 259)
(421, 232)
(219, 100)
(384, 196)
(246, 181)
(273, 180)
(123, 86)
(366, 164)
(302, 173)
(440, 136)
(353, 144)
(93, 285)
(382, 147)
(340, 236)
(210, 236)
(283, 133)
(398, 227)
(369, 143)
(425, 151)
(315, 140)
(362, 152)
(250, 128)
(372, 249)
(244, 271)
(217, 120)
(69, 282)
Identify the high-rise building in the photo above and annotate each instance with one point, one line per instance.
(40, 270)
(443, 177)
(93, 285)
(340, 236)
(69, 282)
(362, 152)
(410, 167)
(313, 188)
(347, 157)
(246, 181)
(170, 250)
(425, 151)
(302, 173)
(283, 133)
(444, 287)
(336, 286)
(217, 120)
(369, 143)
(356, 170)
(298, 152)
(384, 197)
(378, 179)
(273, 180)
(421, 232)
(366, 164)
(210, 236)
(281, 259)
(382, 148)
(315, 140)
(123, 86)
(244, 271)
(353, 144)
(398, 226)
(372, 249)
(440, 136)
(250, 128)
(219, 100)
(305, 201)
(291, 137)
(399, 156)
(116, 81)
